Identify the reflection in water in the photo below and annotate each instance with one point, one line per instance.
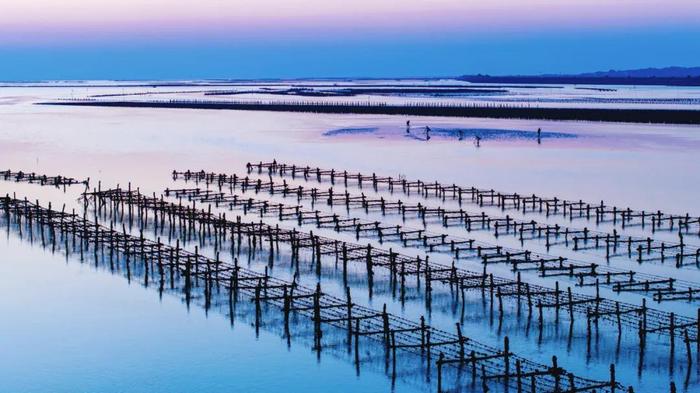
(443, 302)
(148, 254)
(641, 166)
(477, 311)
(298, 331)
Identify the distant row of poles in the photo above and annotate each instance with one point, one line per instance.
(477, 138)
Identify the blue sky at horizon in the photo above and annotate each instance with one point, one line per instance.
(210, 39)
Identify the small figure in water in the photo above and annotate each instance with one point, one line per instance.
(427, 133)
(461, 135)
(539, 136)
(408, 126)
(477, 140)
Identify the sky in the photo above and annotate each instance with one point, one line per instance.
(205, 39)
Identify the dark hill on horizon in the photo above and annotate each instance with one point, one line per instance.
(669, 76)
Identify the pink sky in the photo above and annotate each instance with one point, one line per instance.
(79, 20)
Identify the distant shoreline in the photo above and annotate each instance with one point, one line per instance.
(655, 116)
(585, 80)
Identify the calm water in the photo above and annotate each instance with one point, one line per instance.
(68, 326)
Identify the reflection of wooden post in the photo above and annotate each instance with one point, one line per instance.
(349, 310)
(613, 382)
(422, 334)
(672, 329)
(506, 359)
(393, 355)
(357, 344)
(258, 309)
(439, 372)
(386, 328)
(687, 347)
